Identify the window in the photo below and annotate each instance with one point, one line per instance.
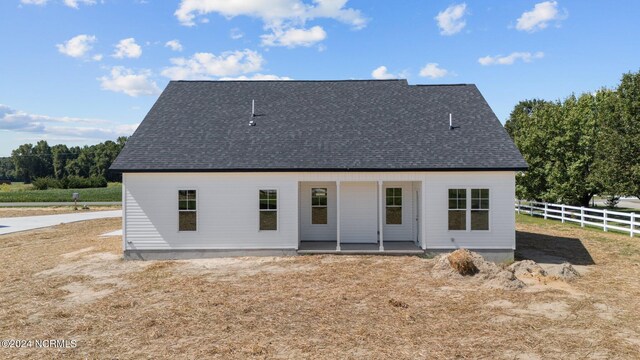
(457, 209)
(268, 210)
(479, 209)
(319, 206)
(187, 217)
(394, 206)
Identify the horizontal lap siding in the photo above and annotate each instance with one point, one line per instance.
(227, 210)
(502, 219)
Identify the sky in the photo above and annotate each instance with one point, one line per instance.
(83, 71)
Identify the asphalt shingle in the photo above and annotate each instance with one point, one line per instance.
(349, 125)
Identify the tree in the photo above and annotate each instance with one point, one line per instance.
(7, 169)
(60, 156)
(558, 141)
(620, 140)
(43, 165)
(23, 160)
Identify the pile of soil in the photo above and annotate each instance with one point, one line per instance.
(456, 266)
(564, 272)
(463, 264)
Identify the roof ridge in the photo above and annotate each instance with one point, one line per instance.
(342, 80)
(442, 85)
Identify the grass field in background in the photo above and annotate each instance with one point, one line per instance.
(19, 192)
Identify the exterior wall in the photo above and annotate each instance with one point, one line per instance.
(228, 208)
(358, 212)
(501, 233)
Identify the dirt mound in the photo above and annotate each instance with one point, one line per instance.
(527, 268)
(563, 271)
(462, 261)
(486, 273)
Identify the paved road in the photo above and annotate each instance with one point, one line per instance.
(15, 224)
(39, 204)
(631, 203)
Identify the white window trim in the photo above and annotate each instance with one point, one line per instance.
(326, 188)
(197, 210)
(277, 209)
(468, 208)
(384, 192)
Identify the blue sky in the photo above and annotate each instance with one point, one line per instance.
(83, 71)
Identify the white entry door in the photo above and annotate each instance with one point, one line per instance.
(398, 214)
(358, 212)
(318, 211)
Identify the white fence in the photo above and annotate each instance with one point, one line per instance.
(602, 218)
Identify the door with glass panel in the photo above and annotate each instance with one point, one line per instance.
(318, 211)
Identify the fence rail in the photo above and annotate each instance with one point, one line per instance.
(602, 218)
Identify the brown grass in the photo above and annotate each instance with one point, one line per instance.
(67, 283)
(7, 212)
(462, 261)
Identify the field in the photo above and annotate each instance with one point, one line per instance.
(19, 192)
(68, 283)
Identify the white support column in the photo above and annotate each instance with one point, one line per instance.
(605, 221)
(581, 216)
(380, 214)
(337, 215)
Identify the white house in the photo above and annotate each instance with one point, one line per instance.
(285, 167)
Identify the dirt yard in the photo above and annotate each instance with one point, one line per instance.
(7, 212)
(68, 283)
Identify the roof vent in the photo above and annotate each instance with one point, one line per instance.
(451, 127)
(253, 108)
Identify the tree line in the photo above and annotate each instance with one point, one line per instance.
(62, 164)
(580, 146)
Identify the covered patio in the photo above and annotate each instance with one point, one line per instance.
(359, 217)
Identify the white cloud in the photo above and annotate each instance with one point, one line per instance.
(271, 12)
(77, 46)
(236, 34)
(127, 48)
(256, 77)
(207, 65)
(73, 128)
(381, 73)
(97, 57)
(510, 59)
(540, 16)
(432, 70)
(74, 3)
(129, 82)
(450, 21)
(34, 2)
(294, 37)
(174, 45)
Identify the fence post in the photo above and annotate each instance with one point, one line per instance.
(581, 216)
(633, 222)
(562, 213)
(531, 208)
(519, 206)
(546, 206)
(604, 216)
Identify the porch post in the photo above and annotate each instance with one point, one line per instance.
(337, 215)
(380, 214)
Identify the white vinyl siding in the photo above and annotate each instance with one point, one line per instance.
(228, 216)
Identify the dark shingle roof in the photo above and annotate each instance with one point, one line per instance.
(318, 125)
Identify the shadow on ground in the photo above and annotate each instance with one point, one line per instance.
(549, 249)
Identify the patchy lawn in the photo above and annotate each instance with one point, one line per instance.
(68, 283)
(7, 212)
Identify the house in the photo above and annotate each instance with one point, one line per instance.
(285, 167)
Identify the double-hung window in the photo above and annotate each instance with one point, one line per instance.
(319, 206)
(469, 205)
(479, 209)
(187, 215)
(457, 209)
(394, 206)
(268, 209)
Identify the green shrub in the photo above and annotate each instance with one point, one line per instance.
(98, 181)
(45, 183)
(77, 182)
